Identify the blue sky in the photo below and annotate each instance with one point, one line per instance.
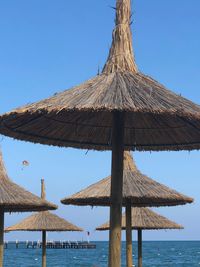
(48, 46)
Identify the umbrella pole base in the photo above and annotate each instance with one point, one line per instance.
(1, 236)
(44, 258)
(129, 247)
(139, 248)
(116, 190)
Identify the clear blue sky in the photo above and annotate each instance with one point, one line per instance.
(47, 46)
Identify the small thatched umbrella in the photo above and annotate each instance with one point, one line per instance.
(14, 198)
(144, 219)
(119, 109)
(138, 191)
(45, 222)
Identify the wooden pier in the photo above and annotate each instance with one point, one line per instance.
(70, 245)
(49, 245)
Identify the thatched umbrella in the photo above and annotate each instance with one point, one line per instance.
(14, 198)
(138, 191)
(119, 109)
(45, 222)
(144, 219)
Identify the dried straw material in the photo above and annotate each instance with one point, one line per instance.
(145, 219)
(14, 198)
(81, 117)
(121, 55)
(44, 221)
(138, 189)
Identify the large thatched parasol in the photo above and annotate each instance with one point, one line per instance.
(144, 219)
(120, 108)
(138, 191)
(45, 222)
(14, 198)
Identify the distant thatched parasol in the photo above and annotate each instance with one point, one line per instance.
(138, 191)
(119, 109)
(43, 221)
(14, 198)
(144, 219)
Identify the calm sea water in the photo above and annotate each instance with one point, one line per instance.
(162, 254)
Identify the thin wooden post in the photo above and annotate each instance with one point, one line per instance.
(43, 193)
(116, 190)
(44, 256)
(1, 236)
(129, 248)
(44, 260)
(139, 248)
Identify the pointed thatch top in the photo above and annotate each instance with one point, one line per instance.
(81, 117)
(138, 189)
(15, 198)
(146, 219)
(121, 56)
(44, 221)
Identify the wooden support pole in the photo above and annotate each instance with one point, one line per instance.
(1, 236)
(116, 190)
(129, 248)
(44, 260)
(139, 248)
(43, 192)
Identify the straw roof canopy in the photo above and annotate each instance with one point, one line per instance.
(14, 198)
(44, 221)
(81, 117)
(145, 219)
(138, 189)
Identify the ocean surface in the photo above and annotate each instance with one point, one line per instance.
(155, 253)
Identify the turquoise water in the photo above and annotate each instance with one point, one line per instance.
(162, 254)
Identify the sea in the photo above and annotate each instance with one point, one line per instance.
(155, 254)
